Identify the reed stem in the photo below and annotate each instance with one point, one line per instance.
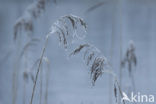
(38, 70)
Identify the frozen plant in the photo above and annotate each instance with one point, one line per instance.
(25, 22)
(130, 58)
(98, 65)
(65, 28)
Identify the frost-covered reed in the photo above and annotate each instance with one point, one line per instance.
(25, 22)
(60, 28)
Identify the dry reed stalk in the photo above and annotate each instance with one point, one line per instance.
(111, 52)
(16, 69)
(60, 28)
(47, 79)
(45, 59)
(25, 23)
(41, 84)
(115, 92)
(26, 73)
(36, 77)
(120, 69)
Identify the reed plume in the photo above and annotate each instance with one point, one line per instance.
(130, 60)
(130, 57)
(25, 22)
(62, 28)
(98, 64)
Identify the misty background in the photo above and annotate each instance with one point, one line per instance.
(70, 81)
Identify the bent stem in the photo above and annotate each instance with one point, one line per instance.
(120, 91)
(111, 53)
(115, 79)
(47, 85)
(41, 81)
(38, 70)
(120, 72)
(120, 69)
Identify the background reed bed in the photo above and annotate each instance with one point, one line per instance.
(42, 72)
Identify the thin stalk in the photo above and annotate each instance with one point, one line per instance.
(115, 79)
(38, 70)
(24, 82)
(47, 84)
(16, 72)
(120, 71)
(111, 55)
(120, 91)
(24, 92)
(41, 82)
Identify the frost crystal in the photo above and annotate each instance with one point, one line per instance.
(66, 29)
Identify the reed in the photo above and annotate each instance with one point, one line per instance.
(93, 58)
(26, 21)
(26, 72)
(61, 28)
(130, 60)
(98, 65)
(25, 24)
(47, 79)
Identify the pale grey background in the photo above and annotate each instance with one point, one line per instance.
(69, 78)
